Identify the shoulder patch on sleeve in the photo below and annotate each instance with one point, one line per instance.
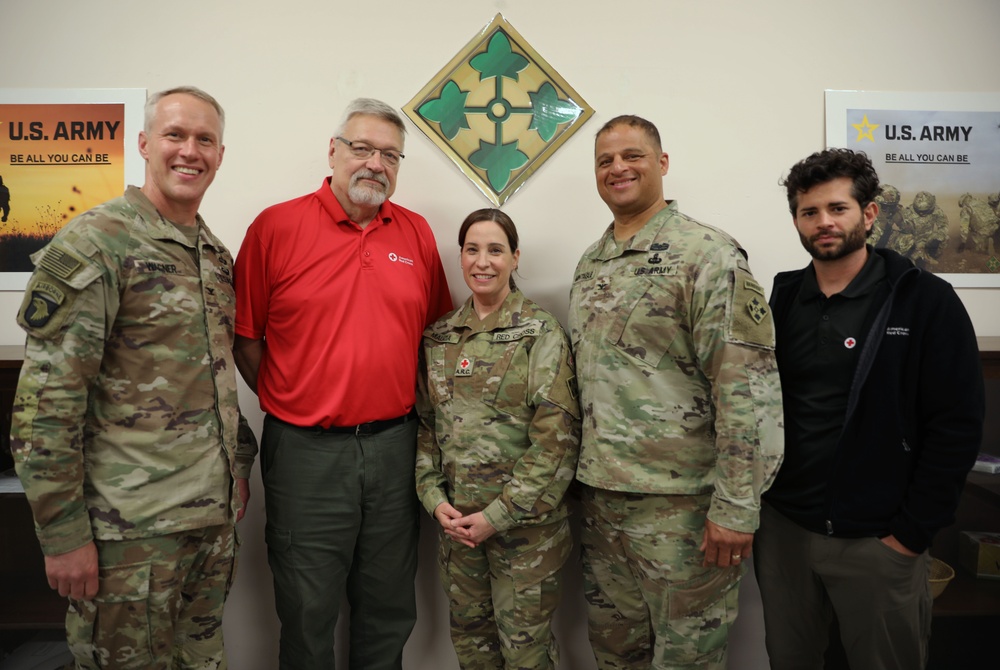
(61, 273)
(751, 316)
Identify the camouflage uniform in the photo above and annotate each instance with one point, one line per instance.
(681, 420)
(500, 433)
(126, 426)
(979, 223)
(890, 230)
(930, 228)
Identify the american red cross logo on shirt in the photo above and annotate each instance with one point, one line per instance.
(465, 363)
(850, 343)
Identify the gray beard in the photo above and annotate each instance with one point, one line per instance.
(363, 195)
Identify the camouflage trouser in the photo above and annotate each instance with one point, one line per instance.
(980, 241)
(652, 604)
(503, 594)
(159, 603)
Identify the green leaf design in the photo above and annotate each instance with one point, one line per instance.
(498, 60)
(448, 110)
(498, 161)
(548, 111)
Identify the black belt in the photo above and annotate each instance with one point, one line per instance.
(369, 428)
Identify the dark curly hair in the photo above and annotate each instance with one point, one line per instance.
(830, 164)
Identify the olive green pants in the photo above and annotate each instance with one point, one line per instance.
(342, 519)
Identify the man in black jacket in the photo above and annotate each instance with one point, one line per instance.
(883, 396)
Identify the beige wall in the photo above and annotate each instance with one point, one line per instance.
(735, 87)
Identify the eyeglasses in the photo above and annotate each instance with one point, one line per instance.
(366, 151)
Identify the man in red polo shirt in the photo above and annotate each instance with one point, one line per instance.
(333, 292)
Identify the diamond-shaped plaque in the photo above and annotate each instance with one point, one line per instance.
(498, 110)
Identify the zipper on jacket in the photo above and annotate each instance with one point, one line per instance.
(906, 447)
(829, 527)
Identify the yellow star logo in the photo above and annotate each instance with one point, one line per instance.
(865, 129)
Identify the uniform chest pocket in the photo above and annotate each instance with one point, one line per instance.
(501, 389)
(649, 318)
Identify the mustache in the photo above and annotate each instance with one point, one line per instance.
(832, 233)
(365, 173)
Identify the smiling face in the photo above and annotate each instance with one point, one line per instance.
(362, 184)
(629, 168)
(830, 222)
(183, 150)
(487, 263)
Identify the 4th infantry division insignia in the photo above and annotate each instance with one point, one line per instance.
(757, 309)
(498, 110)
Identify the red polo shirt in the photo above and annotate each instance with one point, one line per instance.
(341, 308)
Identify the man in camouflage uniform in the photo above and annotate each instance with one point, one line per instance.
(890, 230)
(126, 429)
(681, 416)
(978, 224)
(929, 224)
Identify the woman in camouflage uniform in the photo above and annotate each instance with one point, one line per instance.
(497, 449)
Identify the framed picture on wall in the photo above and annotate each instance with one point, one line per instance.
(938, 160)
(61, 152)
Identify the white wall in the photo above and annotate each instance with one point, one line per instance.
(735, 87)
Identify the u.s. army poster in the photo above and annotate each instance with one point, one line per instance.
(938, 159)
(61, 153)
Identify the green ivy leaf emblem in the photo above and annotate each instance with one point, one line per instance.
(548, 111)
(499, 60)
(447, 110)
(498, 161)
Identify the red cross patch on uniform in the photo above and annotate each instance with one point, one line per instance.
(464, 368)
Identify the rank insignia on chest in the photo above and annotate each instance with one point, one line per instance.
(464, 367)
(757, 309)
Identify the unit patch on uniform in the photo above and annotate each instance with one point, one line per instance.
(751, 316)
(464, 367)
(46, 299)
(757, 308)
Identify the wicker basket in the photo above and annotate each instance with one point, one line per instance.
(941, 574)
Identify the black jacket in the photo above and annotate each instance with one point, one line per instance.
(914, 416)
